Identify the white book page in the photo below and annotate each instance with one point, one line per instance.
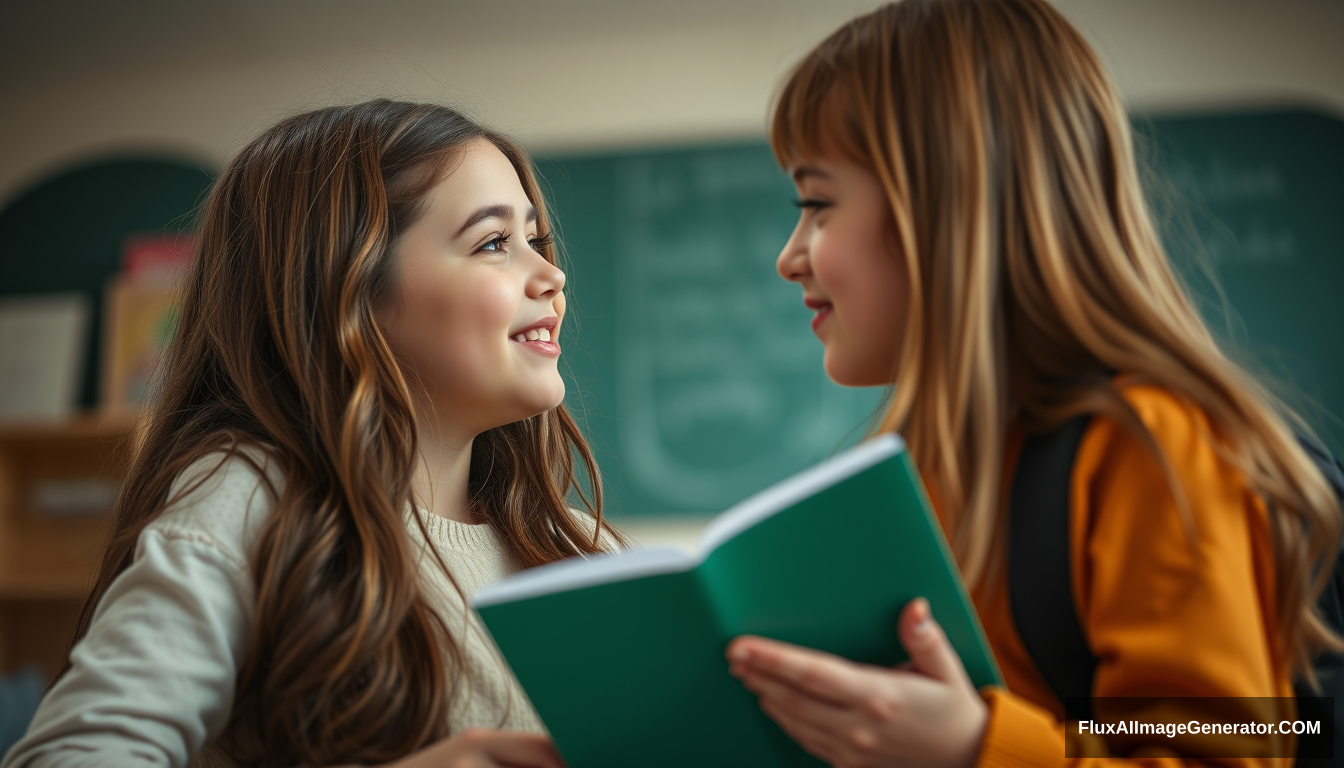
(786, 493)
(578, 572)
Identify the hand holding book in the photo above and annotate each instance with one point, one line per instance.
(857, 714)
(825, 559)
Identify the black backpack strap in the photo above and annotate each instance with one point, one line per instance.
(1040, 586)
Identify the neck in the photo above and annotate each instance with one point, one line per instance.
(440, 480)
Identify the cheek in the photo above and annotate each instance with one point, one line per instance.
(450, 324)
(867, 284)
(859, 275)
(484, 309)
(832, 263)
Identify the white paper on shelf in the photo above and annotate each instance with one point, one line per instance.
(73, 496)
(42, 342)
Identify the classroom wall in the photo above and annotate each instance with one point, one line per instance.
(83, 78)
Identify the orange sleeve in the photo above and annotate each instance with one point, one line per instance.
(1174, 603)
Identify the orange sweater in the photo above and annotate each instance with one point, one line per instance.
(1166, 614)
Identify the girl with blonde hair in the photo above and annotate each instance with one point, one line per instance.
(359, 425)
(973, 234)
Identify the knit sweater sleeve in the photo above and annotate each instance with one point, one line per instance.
(1175, 602)
(152, 682)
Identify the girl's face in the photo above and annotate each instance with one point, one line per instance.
(475, 316)
(843, 253)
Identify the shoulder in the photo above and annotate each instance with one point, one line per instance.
(1176, 434)
(222, 500)
(609, 540)
(1168, 478)
(1168, 416)
(153, 679)
(1171, 554)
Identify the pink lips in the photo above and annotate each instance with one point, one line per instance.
(548, 346)
(822, 314)
(822, 308)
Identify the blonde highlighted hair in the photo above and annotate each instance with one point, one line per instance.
(1036, 271)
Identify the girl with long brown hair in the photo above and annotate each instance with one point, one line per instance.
(359, 424)
(973, 235)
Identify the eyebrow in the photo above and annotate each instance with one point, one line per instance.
(805, 171)
(497, 211)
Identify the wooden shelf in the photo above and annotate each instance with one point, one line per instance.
(113, 426)
(48, 586)
(51, 559)
(48, 559)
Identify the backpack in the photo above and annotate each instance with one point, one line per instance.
(1040, 587)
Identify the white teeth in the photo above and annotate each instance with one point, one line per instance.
(536, 334)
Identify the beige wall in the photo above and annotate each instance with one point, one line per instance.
(78, 81)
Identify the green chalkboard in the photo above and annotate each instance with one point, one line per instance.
(65, 233)
(693, 367)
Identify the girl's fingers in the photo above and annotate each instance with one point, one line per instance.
(800, 704)
(816, 740)
(822, 675)
(930, 652)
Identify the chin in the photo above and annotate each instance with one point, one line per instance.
(838, 372)
(852, 376)
(551, 398)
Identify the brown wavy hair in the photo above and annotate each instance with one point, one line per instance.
(277, 348)
(1006, 158)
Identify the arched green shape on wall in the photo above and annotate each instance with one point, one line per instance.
(65, 233)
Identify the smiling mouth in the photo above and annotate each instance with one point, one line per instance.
(535, 334)
(822, 308)
(541, 338)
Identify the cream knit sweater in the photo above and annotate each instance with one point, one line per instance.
(152, 683)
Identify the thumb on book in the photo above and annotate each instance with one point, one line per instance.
(930, 652)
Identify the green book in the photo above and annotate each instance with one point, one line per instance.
(623, 654)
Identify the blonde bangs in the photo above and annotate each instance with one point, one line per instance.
(818, 110)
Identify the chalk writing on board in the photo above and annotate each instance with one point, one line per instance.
(720, 387)
(1251, 239)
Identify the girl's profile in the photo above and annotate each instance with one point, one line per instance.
(973, 234)
(360, 423)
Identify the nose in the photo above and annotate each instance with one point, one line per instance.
(546, 280)
(792, 262)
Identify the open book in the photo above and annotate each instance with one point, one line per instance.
(623, 655)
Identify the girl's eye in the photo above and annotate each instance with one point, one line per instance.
(495, 244)
(813, 203)
(540, 242)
